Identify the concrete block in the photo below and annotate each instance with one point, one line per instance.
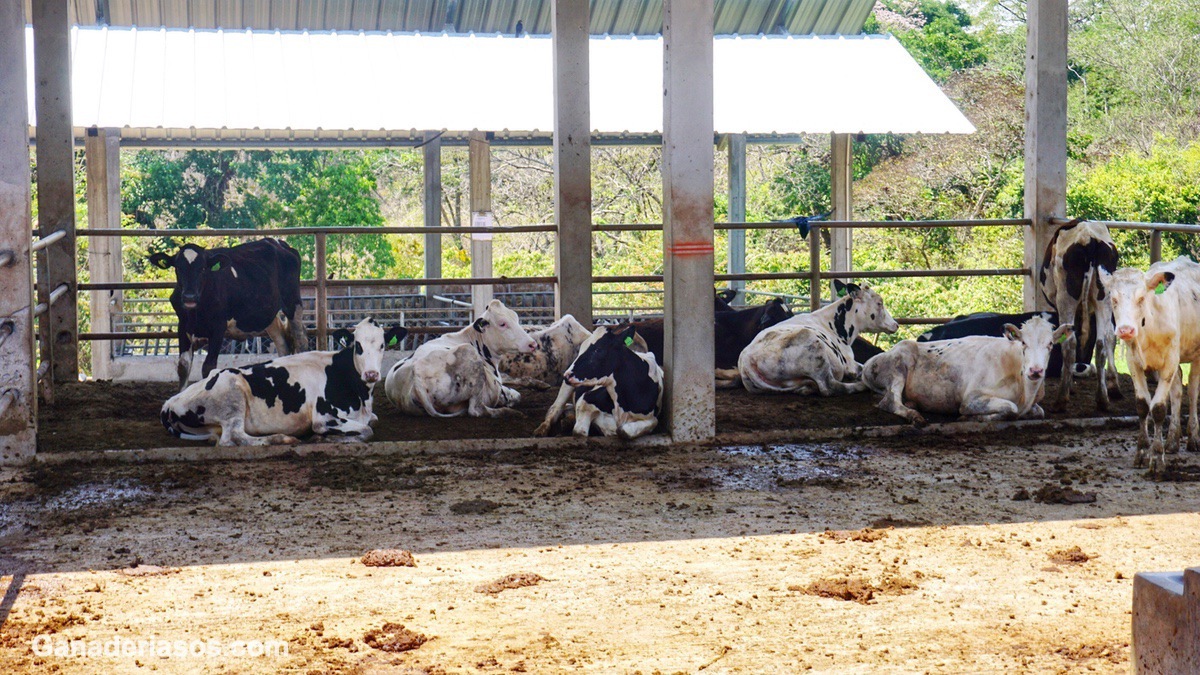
(1166, 622)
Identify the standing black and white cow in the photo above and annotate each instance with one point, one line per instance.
(248, 290)
(456, 374)
(1070, 277)
(812, 353)
(326, 393)
(614, 388)
(986, 378)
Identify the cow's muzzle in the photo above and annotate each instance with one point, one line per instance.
(1036, 374)
(371, 376)
(1126, 332)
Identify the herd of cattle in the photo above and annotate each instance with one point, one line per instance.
(982, 366)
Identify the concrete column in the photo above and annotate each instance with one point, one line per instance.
(56, 184)
(433, 211)
(18, 385)
(480, 164)
(688, 218)
(841, 181)
(572, 159)
(103, 155)
(736, 264)
(1045, 133)
(1166, 622)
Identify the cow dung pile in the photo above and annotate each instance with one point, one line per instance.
(394, 637)
(388, 557)
(517, 580)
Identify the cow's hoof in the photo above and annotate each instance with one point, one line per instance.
(1158, 466)
(1193, 444)
(917, 419)
(1115, 394)
(542, 430)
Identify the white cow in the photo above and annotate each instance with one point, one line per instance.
(558, 345)
(986, 378)
(811, 353)
(614, 386)
(456, 374)
(326, 393)
(1158, 318)
(1078, 254)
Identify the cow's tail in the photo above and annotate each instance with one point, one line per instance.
(421, 396)
(173, 426)
(728, 378)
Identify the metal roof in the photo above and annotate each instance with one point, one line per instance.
(609, 17)
(379, 86)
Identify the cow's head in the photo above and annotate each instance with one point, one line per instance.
(599, 355)
(370, 339)
(393, 337)
(866, 309)
(191, 263)
(1037, 336)
(774, 311)
(1133, 294)
(501, 330)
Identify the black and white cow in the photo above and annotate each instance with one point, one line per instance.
(614, 388)
(991, 324)
(812, 353)
(457, 374)
(326, 393)
(1070, 280)
(248, 290)
(558, 345)
(985, 378)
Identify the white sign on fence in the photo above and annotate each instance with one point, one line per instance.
(481, 219)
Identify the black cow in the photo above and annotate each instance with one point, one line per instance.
(991, 324)
(250, 289)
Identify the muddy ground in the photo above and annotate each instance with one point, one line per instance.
(747, 559)
(106, 415)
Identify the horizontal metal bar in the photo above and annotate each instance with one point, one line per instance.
(42, 370)
(471, 281)
(802, 274)
(58, 292)
(7, 398)
(309, 231)
(47, 240)
(6, 258)
(1151, 227)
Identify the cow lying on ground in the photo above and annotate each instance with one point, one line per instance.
(613, 387)
(326, 393)
(1070, 278)
(812, 353)
(248, 290)
(558, 345)
(990, 324)
(1158, 318)
(986, 378)
(456, 374)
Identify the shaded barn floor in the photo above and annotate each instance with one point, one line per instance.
(114, 416)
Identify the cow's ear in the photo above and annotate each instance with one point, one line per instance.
(480, 324)
(839, 287)
(218, 262)
(162, 261)
(727, 295)
(341, 338)
(627, 335)
(1159, 282)
(1012, 332)
(1061, 334)
(853, 288)
(394, 335)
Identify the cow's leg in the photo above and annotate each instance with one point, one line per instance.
(1167, 379)
(565, 391)
(346, 431)
(187, 356)
(1175, 428)
(211, 351)
(1193, 391)
(632, 429)
(888, 376)
(1066, 317)
(585, 414)
(989, 408)
(278, 334)
(1103, 385)
(728, 378)
(230, 396)
(1141, 395)
(298, 332)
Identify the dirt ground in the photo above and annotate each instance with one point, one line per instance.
(106, 415)
(745, 559)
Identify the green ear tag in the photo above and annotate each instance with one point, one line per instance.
(392, 342)
(1062, 338)
(841, 292)
(628, 342)
(1160, 288)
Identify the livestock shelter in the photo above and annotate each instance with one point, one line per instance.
(130, 76)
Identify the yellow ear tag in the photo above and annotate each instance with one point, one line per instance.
(1160, 288)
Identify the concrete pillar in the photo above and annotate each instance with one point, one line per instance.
(480, 165)
(841, 181)
(103, 155)
(56, 184)
(18, 385)
(688, 218)
(572, 159)
(1045, 133)
(736, 263)
(433, 211)
(1166, 622)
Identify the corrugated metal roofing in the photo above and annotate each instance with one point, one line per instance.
(181, 80)
(609, 17)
